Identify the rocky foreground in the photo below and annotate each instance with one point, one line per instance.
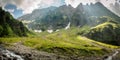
(22, 52)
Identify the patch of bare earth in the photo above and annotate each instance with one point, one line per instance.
(31, 54)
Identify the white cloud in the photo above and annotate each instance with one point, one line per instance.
(29, 5)
(107, 2)
(10, 10)
(47, 3)
(75, 3)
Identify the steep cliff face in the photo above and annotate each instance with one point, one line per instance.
(10, 26)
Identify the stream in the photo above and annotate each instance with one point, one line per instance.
(111, 57)
(8, 55)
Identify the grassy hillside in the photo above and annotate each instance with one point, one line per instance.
(108, 32)
(10, 26)
(64, 42)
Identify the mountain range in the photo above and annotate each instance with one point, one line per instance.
(87, 32)
(59, 17)
(102, 21)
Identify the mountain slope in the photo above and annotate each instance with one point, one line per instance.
(98, 9)
(80, 16)
(108, 32)
(9, 26)
(38, 13)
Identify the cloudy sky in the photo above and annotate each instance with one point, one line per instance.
(20, 7)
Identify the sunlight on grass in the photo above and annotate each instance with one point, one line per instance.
(63, 42)
(10, 40)
(99, 43)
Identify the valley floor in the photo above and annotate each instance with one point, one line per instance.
(63, 45)
(32, 54)
(28, 53)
